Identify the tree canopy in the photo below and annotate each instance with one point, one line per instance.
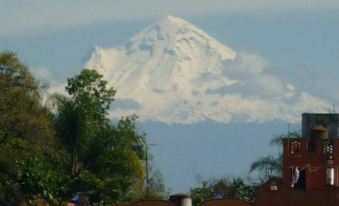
(111, 154)
(28, 146)
(21, 112)
(51, 153)
(222, 188)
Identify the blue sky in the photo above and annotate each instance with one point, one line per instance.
(298, 38)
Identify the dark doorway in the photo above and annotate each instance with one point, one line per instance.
(301, 184)
(312, 144)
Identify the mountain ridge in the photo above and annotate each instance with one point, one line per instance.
(176, 73)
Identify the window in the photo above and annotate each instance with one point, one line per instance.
(295, 147)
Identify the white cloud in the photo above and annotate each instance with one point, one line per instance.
(268, 85)
(252, 70)
(19, 17)
(245, 64)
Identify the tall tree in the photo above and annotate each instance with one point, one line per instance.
(107, 155)
(27, 142)
(81, 115)
(21, 112)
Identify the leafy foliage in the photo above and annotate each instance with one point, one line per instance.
(108, 156)
(268, 163)
(47, 156)
(236, 188)
(21, 112)
(28, 147)
(81, 116)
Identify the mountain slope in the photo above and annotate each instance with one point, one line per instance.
(173, 72)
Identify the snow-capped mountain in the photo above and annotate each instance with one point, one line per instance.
(174, 72)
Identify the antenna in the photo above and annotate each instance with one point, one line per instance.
(332, 110)
(147, 175)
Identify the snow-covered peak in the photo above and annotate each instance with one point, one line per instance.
(176, 36)
(174, 72)
(173, 20)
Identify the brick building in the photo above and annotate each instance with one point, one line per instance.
(310, 166)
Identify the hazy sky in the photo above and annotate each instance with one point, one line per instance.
(297, 39)
(31, 17)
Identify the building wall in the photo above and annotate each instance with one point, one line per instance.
(314, 163)
(153, 203)
(296, 198)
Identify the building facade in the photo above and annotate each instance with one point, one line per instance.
(310, 166)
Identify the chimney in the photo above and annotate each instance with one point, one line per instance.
(181, 199)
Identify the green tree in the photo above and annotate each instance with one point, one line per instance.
(82, 115)
(90, 154)
(21, 112)
(241, 190)
(235, 188)
(106, 159)
(27, 143)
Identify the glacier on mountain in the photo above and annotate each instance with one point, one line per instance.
(174, 72)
